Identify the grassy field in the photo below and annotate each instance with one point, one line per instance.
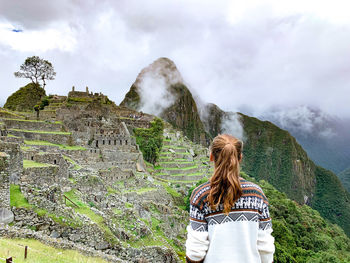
(40, 253)
(61, 146)
(30, 164)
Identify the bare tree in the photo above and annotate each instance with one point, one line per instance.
(37, 70)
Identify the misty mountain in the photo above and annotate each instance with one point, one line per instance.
(273, 154)
(325, 138)
(160, 90)
(270, 153)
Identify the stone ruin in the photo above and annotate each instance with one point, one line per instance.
(6, 215)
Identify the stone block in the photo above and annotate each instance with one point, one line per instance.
(6, 216)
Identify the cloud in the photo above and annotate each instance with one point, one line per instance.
(232, 124)
(303, 121)
(240, 55)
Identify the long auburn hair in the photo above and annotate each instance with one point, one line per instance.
(225, 184)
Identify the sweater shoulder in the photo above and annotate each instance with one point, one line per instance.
(200, 194)
(249, 188)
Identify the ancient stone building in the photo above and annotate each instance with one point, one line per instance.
(15, 159)
(4, 181)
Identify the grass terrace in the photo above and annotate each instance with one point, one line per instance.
(13, 119)
(61, 146)
(44, 132)
(38, 252)
(31, 164)
(76, 165)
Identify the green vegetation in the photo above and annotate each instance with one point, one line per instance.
(25, 98)
(76, 166)
(31, 164)
(79, 99)
(38, 252)
(17, 199)
(8, 114)
(301, 234)
(61, 146)
(185, 109)
(44, 132)
(331, 199)
(132, 99)
(344, 177)
(85, 209)
(150, 140)
(272, 154)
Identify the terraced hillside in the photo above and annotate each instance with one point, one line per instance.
(181, 161)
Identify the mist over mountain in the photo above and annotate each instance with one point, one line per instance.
(325, 138)
(160, 90)
(271, 153)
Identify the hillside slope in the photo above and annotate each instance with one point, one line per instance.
(344, 177)
(272, 154)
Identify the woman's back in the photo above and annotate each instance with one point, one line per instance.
(242, 235)
(229, 216)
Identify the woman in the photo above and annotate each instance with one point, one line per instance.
(229, 216)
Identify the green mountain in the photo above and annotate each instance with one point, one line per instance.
(344, 177)
(272, 154)
(25, 98)
(176, 104)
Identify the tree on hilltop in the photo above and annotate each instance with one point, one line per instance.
(37, 70)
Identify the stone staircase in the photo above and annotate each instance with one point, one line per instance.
(181, 161)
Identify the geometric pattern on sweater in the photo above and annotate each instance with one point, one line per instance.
(232, 217)
(199, 226)
(264, 225)
(251, 206)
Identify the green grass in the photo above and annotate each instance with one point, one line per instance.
(175, 168)
(38, 252)
(142, 190)
(76, 166)
(84, 209)
(31, 164)
(42, 132)
(61, 146)
(170, 190)
(117, 211)
(17, 199)
(12, 119)
(128, 205)
(12, 136)
(10, 113)
(25, 148)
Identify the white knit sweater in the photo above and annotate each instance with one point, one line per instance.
(242, 236)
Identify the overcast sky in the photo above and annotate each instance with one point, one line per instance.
(241, 55)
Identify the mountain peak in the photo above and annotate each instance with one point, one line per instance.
(163, 68)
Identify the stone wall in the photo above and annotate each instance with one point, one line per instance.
(49, 158)
(47, 114)
(113, 174)
(15, 161)
(41, 176)
(4, 181)
(12, 139)
(32, 125)
(58, 138)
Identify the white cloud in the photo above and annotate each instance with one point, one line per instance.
(60, 37)
(237, 54)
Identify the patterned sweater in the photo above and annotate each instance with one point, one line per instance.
(242, 236)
